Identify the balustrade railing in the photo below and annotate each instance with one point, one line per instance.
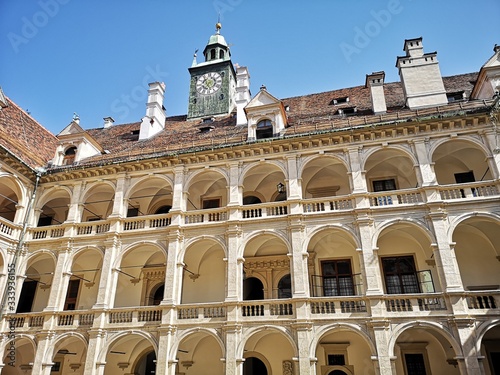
(483, 300)
(146, 222)
(395, 197)
(267, 308)
(414, 302)
(468, 190)
(345, 305)
(327, 204)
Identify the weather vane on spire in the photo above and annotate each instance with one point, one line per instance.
(218, 25)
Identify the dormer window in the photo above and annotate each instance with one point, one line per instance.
(342, 100)
(264, 129)
(69, 156)
(455, 96)
(347, 111)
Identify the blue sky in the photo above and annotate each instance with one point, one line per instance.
(96, 57)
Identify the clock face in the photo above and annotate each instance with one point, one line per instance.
(209, 83)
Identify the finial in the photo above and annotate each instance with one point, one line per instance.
(218, 25)
(76, 118)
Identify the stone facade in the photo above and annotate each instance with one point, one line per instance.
(366, 243)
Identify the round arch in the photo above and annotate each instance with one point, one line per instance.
(418, 225)
(115, 337)
(240, 349)
(441, 333)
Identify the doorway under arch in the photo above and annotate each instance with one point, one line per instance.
(253, 289)
(254, 366)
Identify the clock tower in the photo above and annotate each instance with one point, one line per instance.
(213, 82)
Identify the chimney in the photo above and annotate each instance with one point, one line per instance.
(108, 122)
(154, 121)
(243, 96)
(375, 82)
(420, 76)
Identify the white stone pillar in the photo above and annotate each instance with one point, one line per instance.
(233, 361)
(178, 197)
(427, 173)
(444, 255)
(59, 281)
(119, 207)
(357, 174)
(383, 363)
(164, 344)
(41, 365)
(298, 260)
(107, 283)
(294, 182)
(75, 205)
(464, 328)
(302, 364)
(173, 272)
(493, 141)
(234, 275)
(96, 340)
(369, 262)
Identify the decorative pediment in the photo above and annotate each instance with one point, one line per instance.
(75, 144)
(266, 116)
(263, 98)
(488, 81)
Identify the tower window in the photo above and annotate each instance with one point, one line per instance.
(212, 54)
(221, 54)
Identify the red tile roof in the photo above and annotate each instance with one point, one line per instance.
(24, 137)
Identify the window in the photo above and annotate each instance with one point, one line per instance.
(415, 364)
(384, 185)
(69, 156)
(400, 275)
(455, 96)
(210, 203)
(163, 210)
(212, 54)
(44, 220)
(221, 54)
(285, 287)
(72, 295)
(336, 360)
(133, 212)
(337, 278)
(464, 177)
(27, 296)
(264, 129)
(341, 100)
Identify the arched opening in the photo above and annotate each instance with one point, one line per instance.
(254, 366)
(285, 287)
(251, 199)
(147, 364)
(423, 351)
(9, 198)
(163, 210)
(490, 349)
(204, 276)
(253, 289)
(264, 129)
(156, 295)
(221, 54)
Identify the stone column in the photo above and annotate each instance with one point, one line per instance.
(294, 182)
(41, 365)
(302, 364)
(383, 363)
(108, 280)
(75, 205)
(298, 259)
(369, 261)
(234, 274)
(233, 359)
(464, 328)
(119, 207)
(444, 255)
(173, 272)
(96, 341)
(358, 180)
(59, 281)
(163, 364)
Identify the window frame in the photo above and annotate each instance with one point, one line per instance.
(401, 282)
(337, 277)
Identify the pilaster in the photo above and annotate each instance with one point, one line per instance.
(60, 280)
(383, 362)
(119, 208)
(234, 269)
(108, 280)
(96, 340)
(173, 272)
